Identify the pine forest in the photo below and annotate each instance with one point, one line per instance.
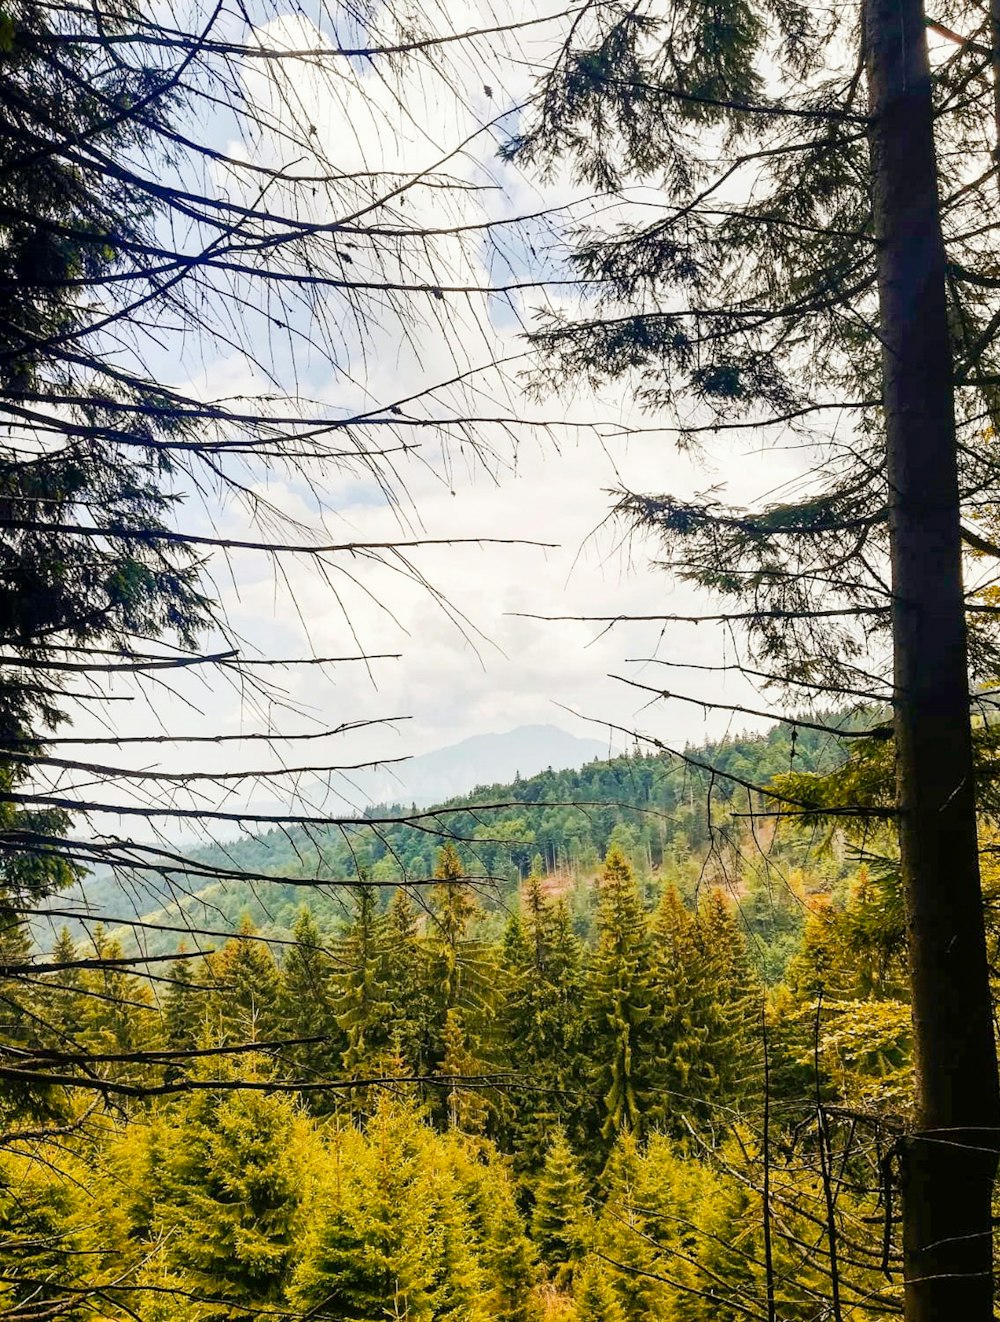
(381, 381)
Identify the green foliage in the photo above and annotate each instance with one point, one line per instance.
(594, 1294)
(243, 1007)
(305, 1010)
(231, 1178)
(363, 1010)
(401, 1225)
(541, 1019)
(620, 1008)
(36, 1201)
(559, 1216)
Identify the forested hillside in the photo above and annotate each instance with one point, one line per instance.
(680, 815)
(543, 1096)
(410, 360)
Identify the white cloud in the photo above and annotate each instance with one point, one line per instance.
(550, 486)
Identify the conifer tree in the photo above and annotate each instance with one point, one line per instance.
(20, 1011)
(363, 1009)
(63, 987)
(40, 1270)
(117, 1014)
(388, 1234)
(466, 1105)
(732, 999)
(542, 1020)
(184, 1006)
(620, 1001)
(228, 1187)
(305, 1006)
(453, 910)
(684, 1070)
(458, 1282)
(559, 1215)
(594, 1294)
(243, 1002)
(408, 986)
(623, 1238)
(508, 1257)
(361, 1256)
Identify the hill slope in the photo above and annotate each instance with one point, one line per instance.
(654, 806)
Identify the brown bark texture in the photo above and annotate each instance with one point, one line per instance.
(949, 1162)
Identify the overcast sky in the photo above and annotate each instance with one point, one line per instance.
(476, 666)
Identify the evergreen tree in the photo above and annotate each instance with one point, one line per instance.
(228, 1187)
(243, 1002)
(388, 1233)
(305, 1007)
(452, 910)
(559, 1216)
(117, 1015)
(467, 1106)
(61, 1005)
(706, 1010)
(24, 1017)
(620, 1001)
(507, 1255)
(184, 1008)
(627, 1236)
(542, 1021)
(594, 1294)
(408, 986)
(685, 1072)
(731, 999)
(40, 1265)
(363, 1008)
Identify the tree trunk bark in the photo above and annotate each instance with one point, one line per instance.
(949, 1162)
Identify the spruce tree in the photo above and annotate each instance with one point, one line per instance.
(542, 1020)
(363, 1008)
(594, 1294)
(620, 1002)
(389, 1234)
(40, 1249)
(732, 998)
(684, 1022)
(184, 1007)
(24, 1015)
(408, 986)
(627, 1237)
(845, 289)
(305, 1007)
(118, 1016)
(228, 1188)
(467, 1106)
(243, 1001)
(508, 1257)
(559, 1215)
(453, 909)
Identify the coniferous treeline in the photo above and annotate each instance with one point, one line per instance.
(406, 1119)
(654, 806)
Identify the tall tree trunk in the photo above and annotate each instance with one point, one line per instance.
(949, 1163)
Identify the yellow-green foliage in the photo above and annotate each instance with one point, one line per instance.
(680, 1238)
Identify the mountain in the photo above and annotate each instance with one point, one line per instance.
(431, 778)
(652, 805)
(483, 759)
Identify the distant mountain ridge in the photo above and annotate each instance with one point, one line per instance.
(482, 759)
(653, 804)
(426, 780)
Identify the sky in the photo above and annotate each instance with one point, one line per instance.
(478, 663)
